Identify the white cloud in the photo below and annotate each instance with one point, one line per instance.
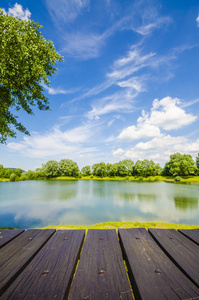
(66, 11)
(160, 148)
(197, 20)
(161, 142)
(134, 133)
(118, 152)
(18, 11)
(56, 142)
(165, 114)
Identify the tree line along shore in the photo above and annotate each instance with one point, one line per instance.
(180, 167)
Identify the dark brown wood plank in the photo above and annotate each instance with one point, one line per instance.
(153, 275)
(183, 252)
(50, 273)
(192, 234)
(7, 236)
(15, 256)
(101, 273)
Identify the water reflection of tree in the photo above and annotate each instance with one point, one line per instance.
(68, 194)
(127, 197)
(140, 197)
(59, 190)
(146, 198)
(184, 203)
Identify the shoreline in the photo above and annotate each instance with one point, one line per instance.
(117, 225)
(169, 179)
(188, 179)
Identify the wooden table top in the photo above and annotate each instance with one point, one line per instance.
(102, 264)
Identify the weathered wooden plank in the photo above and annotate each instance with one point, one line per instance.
(50, 273)
(7, 236)
(183, 252)
(101, 273)
(192, 234)
(15, 256)
(152, 274)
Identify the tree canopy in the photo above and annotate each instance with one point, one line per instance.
(197, 161)
(180, 165)
(67, 167)
(26, 60)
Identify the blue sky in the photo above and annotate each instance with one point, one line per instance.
(128, 88)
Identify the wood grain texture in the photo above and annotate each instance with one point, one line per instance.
(101, 273)
(153, 275)
(192, 234)
(15, 256)
(181, 250)
(7, 236)
(50, 273)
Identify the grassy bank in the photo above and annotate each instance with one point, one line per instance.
(4, 179)
(116, 225)
(189, 179)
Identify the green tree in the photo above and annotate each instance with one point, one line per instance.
(51, 169)
(99, 169)
(111, 169)
(2, 170)
(86, 171)
(18, 172)
(180, 165)
(125, 167)
(39, 174)
(30, 175)
(197, 161)
(13, 177)
(7, 173)
(146, 168)
(26, 59)
(67, 167)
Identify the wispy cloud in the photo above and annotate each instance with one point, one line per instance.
(18, 11)
(127, 77)
(130, 64)
(197, 20)
(150, 27)
(57, 91)
(66, 11)
(121, 102)
(127, 70)
(189, 103)
(82, 45)
(88, 44)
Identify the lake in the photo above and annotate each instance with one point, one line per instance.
(28, 204)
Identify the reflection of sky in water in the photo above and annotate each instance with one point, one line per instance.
(42, 203)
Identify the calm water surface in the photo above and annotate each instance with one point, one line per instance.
(41, 203)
